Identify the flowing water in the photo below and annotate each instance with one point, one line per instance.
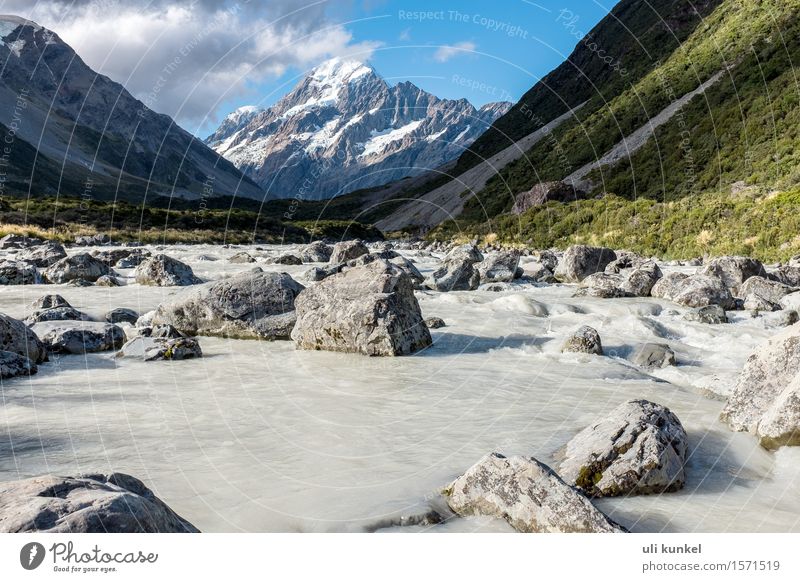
(256, 436)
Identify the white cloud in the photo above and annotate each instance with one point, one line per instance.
(447, 52)
(198, 54)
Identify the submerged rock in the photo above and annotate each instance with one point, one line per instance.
(528, 495)
(766, 397)
(287, 259)
(653, 355)
(639, 448)
(81, 266)
(369, 310)
(252, 305)
(17, 337)
(711, 314)
(79, 337)
(115, 503)
(164, 271)
(241, 257)
(435, 322)
(585, 340)
(580, 261)
(107, 281)
(153, 348)
(13, 364)
(48, 301)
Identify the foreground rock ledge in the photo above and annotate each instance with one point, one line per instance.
(369, 310)
(528, 495)
(639, 448)
(115, 503)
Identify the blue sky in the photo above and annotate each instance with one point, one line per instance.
(197, 60)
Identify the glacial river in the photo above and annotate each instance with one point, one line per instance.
(257, 436)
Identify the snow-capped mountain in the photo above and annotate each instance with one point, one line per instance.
(342, 128)
(70, 130)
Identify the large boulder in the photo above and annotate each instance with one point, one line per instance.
(454, 275)
(18, 241)
(468, 253)
(17, 337)
(693, 290)
(134, 259)
(49, 301)
(112, 256)
(115, 503)
(638, 448)
(766, 397)
(80, 266)
(580, 261)
(369, 310)
(79, 337)
(43, 255)
(347, 250)
(18, 273)
(528, 495)
(787, 274)
(502, 267)
(252, 305)
(762, 294)
(163, 271)
(733, 271)
(585, 340)
(603, 285)
(13, 364)
(152, 348)
(241, 257)
(711, 314)
(316, 252)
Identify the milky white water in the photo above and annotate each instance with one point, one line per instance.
(257, 436)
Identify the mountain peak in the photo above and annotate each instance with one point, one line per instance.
(339, 70)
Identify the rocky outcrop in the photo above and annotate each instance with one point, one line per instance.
(252, 305)
(653, 355)
(152, 348)
(639, 448)
(316, 252)
(347, 250)
(18, 273)
(501, 267)
(163, 271)
(79, 337)
(528, 495)
(369, 310)
(17, 337)
(733, 271)
(766, 397)
(115, 503)
(80, 266)
(585, 340)
(13, 364)
(580, 261)
(693, 290)
(545, 192)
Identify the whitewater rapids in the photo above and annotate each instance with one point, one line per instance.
(257, 436)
